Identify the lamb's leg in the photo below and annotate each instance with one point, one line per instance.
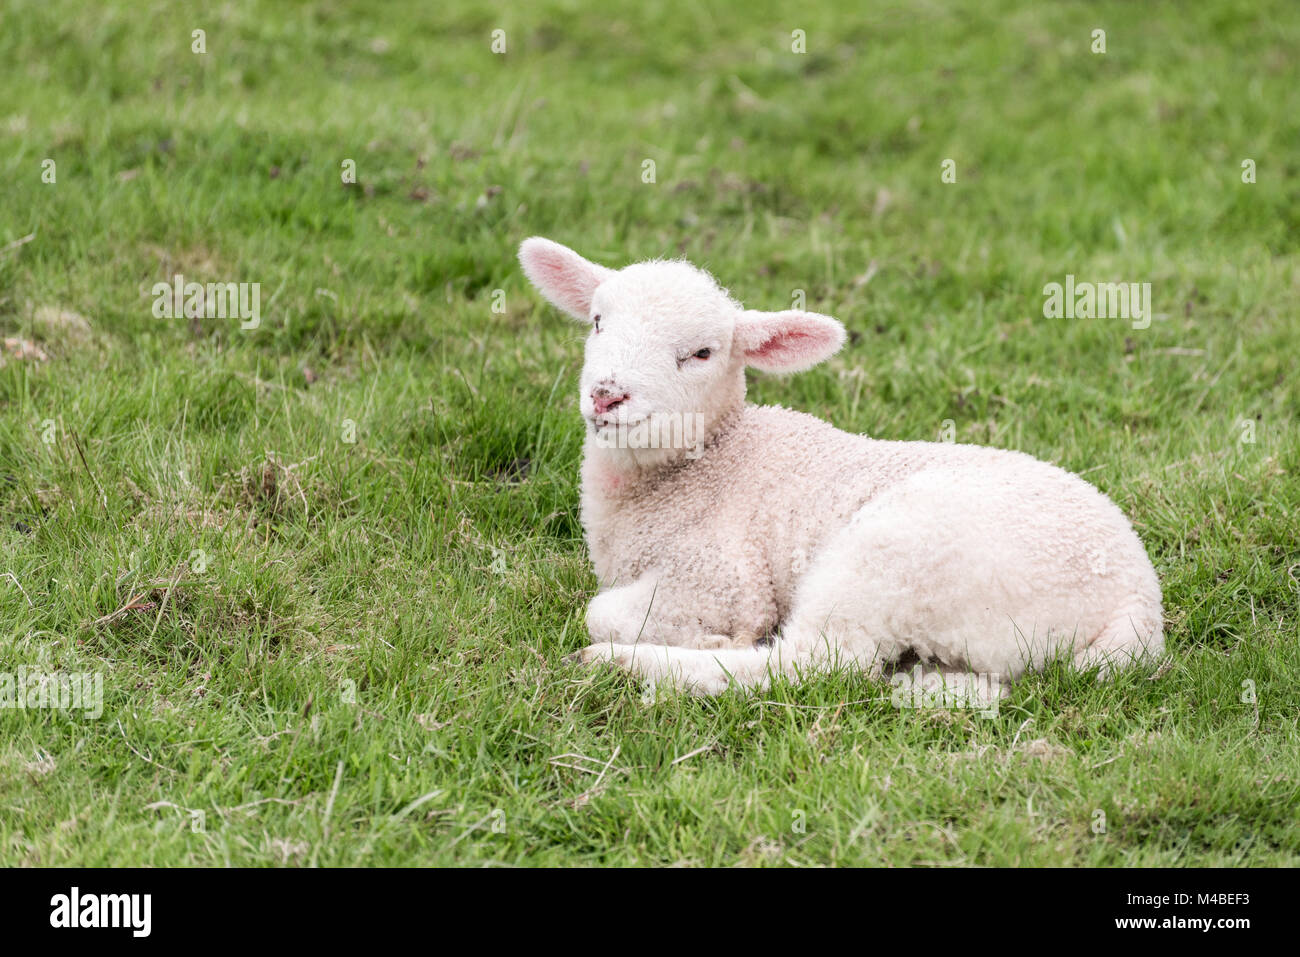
(623, 613)
(704, 672)
(636, 614)
(1129, 639)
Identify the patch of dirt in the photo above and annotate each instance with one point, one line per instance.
(178, 513)
(270, 488)
(23, 350)
(58, 325)
(175, 509)
(193, 603)
(1043, 750)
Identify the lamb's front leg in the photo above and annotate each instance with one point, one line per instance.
(703, 672)
(641, 612)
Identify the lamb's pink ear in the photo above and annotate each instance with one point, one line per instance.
(561, 275)
(787, 341)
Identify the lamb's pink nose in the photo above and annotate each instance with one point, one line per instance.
(606, 399)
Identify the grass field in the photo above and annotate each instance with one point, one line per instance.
(327, 568)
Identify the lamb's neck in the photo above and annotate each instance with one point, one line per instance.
(617, 472)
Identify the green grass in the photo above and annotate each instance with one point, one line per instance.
(363, 665)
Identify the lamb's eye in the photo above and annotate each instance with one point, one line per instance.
(703, 354)
(596, 321)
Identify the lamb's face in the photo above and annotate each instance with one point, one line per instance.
(667, 347)
(659, 349)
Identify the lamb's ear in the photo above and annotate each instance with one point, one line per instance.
(561, 275)
(787, 341)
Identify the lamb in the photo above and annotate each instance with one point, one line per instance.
(736, 542)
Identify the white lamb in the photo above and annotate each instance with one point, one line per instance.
(770, 542)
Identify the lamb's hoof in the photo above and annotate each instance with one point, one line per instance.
(588, 655)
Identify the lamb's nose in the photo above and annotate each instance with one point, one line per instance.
(606, 398)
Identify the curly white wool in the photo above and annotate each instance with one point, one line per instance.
(773, 542)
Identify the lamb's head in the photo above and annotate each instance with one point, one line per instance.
(667, 347)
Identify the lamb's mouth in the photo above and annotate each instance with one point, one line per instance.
(601, 422)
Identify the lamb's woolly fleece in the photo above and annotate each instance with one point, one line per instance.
(785, 544)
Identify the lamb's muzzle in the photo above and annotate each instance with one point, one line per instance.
(604, 398)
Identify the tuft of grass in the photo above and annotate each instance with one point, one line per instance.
(328, 568)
